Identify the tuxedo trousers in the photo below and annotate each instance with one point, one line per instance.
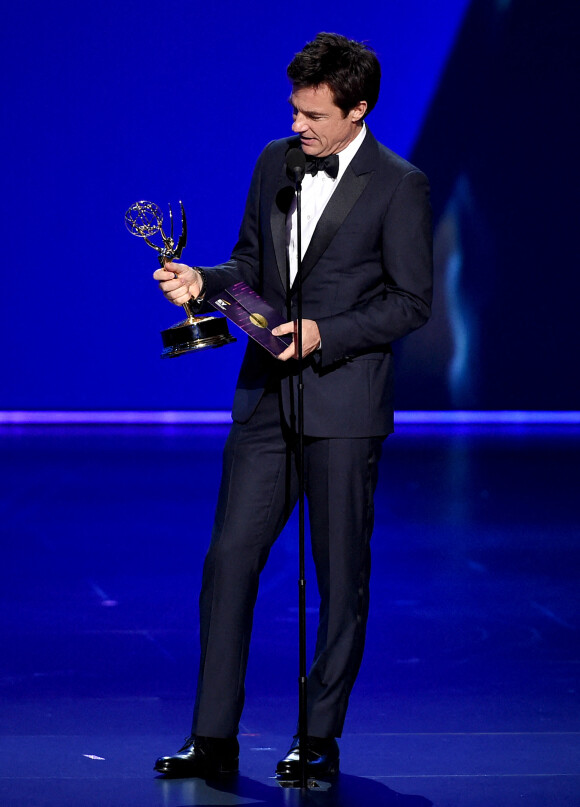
(258, 491)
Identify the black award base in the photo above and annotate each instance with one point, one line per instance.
(195, 333)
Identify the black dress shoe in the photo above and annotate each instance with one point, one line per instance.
(205, 757)
(321, 759)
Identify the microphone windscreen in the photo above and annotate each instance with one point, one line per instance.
(296, 164)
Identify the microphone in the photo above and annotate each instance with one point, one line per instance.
(296, 165)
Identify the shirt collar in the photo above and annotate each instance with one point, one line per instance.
(346, 155)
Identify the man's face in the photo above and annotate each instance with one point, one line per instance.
(322, 126)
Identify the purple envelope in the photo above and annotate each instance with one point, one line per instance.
(243, 306)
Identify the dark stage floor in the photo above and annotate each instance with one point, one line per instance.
(468, 694)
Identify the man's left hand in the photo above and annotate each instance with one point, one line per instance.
(310, 338)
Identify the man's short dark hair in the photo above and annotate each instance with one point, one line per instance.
(349, 68)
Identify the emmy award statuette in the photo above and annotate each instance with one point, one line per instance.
(144, 219)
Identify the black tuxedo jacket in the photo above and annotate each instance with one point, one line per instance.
(367, 278)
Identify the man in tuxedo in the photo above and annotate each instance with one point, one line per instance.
(367, 268)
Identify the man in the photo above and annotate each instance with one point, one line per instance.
(366, 239)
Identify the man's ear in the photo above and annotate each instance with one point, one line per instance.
(357, 113)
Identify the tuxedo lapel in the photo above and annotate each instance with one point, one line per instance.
(350, 187)
(339, 206)
(283, 197)
(280, 208)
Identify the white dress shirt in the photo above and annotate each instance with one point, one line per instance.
(316, 192)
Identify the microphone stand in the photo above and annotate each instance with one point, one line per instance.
(302, 676)
(296, 165)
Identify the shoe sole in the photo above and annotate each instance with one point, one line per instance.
(294, 775)
(185, 773)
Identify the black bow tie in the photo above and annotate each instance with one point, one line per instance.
(328, 164)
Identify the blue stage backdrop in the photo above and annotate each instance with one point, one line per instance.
(109, 103)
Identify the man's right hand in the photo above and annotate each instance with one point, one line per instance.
(179, 282)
